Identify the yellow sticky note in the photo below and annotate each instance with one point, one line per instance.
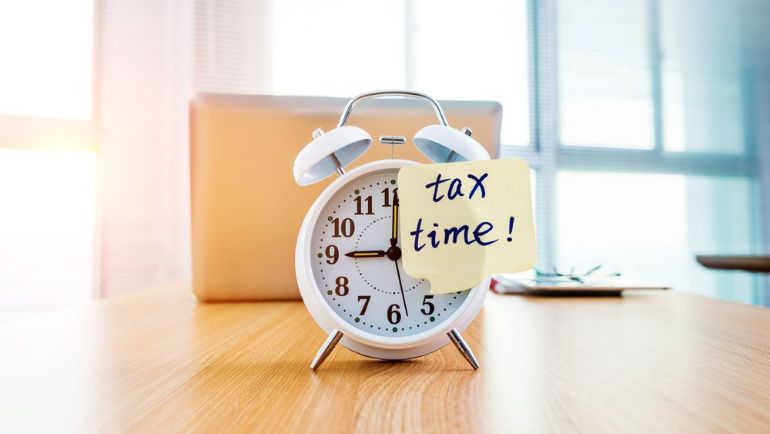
(461, 222)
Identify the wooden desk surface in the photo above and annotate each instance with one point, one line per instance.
(157, 361)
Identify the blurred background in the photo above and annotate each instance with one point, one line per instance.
(646, 123)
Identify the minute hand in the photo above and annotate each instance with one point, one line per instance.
(394, 230)
(397, 251)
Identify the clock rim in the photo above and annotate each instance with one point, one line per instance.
(360, 341)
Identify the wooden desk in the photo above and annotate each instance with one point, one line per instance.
(157, 361)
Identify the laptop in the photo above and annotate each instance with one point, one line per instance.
(246, 207)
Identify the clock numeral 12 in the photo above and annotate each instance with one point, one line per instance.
(386, 196)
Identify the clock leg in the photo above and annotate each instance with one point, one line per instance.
(463, 348)
(326, 349)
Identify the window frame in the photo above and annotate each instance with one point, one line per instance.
(38, 133)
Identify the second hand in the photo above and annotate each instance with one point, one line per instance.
(401, 285)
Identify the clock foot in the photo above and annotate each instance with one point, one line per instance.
(463, 348)
(326, 349)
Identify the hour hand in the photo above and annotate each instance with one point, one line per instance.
(366, 254)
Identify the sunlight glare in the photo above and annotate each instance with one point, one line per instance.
(46, 48)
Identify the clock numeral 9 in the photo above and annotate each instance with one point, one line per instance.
(394, 315)
(428, 307)
(365, 299)
(386, 196)
(342, 286)
(332, 254)
(346, 228)
(368, 201)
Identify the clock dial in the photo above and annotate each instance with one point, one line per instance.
(356, 262)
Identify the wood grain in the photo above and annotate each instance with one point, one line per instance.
(158, 361)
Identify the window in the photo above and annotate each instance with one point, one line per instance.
(704, 78)
(657, 157)
(637, 118)
(343, 53)
(47, 165)
(605, 86)
(448, 50)
(47, 228)
(46, 47)
(650, 226)
(457, 53)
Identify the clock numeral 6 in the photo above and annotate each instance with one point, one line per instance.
(428, 307)
(332, 253)
(365, 299)
(394, 315)
(346, 227)
(342, 286)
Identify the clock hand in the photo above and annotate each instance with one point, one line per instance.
(394, 251)
(366, 254)
(401, 285)
(394, 210)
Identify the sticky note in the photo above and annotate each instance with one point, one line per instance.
(460, 222)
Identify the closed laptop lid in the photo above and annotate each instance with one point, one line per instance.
(247, 208)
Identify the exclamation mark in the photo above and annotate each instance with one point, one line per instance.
(511, 220)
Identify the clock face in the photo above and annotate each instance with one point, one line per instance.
(356, 262)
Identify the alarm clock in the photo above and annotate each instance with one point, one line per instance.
(348, 255)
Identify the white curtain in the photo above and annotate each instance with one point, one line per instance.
(153, 56)
(146, 78)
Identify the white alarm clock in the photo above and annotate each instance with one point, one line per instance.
(348, 256)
